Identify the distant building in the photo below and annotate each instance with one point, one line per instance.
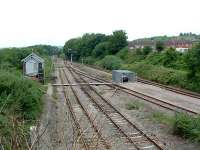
(141, 44)
(33, 66)
(182, 49)
(179, 45)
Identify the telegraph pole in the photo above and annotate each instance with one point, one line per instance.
(71, 58)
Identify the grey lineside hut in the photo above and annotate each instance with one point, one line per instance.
(33, 66)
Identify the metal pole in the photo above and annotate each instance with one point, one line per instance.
(71, 58)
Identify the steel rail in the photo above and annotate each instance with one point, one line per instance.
(179, 91)
(77, 125)
(108, 103)
(145, 97)
(102, 110)
(169, 88)
(107, 146)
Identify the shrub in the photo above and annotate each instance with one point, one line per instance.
(187, 127)
(111, 62)
(159, 73)
(123, 53)
(89, 60)
(100, 50)
(147, 50)
(162, 118)
(19, 95)
(164, 75)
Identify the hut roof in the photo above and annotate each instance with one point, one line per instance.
(33, 56)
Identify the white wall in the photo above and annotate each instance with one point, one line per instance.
(182, 50)
(31, 67)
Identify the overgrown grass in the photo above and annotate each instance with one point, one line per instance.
(167, 76)
(134, 105)
(182, 124)
(111, 62)
(162, 118)
(48, 68)
(20, 105)
(187, 127)
(20, 95)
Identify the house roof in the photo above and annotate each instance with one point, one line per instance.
(33, 56)
(145, 42)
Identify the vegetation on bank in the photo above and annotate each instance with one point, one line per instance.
(134, 105)
(20, 98)
(181, 124)
(163, 65)
(187, 127)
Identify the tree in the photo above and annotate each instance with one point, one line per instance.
(73, 46)
(169, 56)
(100, 50)
(111, 62)
(147, 50)
(117, 41)
(193, 61)
(84, 45)
(159, 46)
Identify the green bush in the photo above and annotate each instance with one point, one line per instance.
(111, 62)
(89, 60)
(123, 53)
(131, 56)
(187, 127)
(100, 50)
(48, 68)
(163, 75)
(162, 118)
(168, 58)
(158, 73)
(20, 96)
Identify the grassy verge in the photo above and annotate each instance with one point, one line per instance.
(160, 74)
(20, 99)
(187, 127)
(183, 125)
(49, 67)
(20, 106)
(162, 118)
(163, 75)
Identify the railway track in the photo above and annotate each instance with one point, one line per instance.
(170, 88)
(156, 101)
(179, 91)
(135, 137)
(74, 118)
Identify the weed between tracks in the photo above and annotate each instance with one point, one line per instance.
(134, 105)
(162, 118)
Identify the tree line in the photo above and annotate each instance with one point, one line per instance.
(96, 45)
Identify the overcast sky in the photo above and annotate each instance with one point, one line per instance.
(29, 22)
